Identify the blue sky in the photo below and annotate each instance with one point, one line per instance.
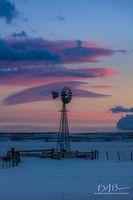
(104, 21)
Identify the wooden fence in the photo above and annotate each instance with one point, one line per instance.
(13, 156)
(12, 159)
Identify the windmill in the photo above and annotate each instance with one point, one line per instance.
(63, 143)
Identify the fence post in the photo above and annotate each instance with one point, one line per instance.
(107, 155)
(13, 156)
(9, 163)
(131, 155)
(118, 155)
(97, 154)
(52, 153)
(3, 163)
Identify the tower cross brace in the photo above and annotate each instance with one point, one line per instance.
(63, 143)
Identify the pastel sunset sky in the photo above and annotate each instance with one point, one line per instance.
(47, 44)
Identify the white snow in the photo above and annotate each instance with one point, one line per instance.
(66, 179)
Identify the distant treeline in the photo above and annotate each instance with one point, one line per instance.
(75, 137)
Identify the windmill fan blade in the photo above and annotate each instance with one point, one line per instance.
(66, 95)
(55, 94)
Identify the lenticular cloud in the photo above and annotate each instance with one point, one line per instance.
(42, 93)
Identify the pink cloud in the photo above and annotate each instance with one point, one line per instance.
(98, 86)
(100, 72)
(41, 93)
(45, 75)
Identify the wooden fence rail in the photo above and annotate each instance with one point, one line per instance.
(53, 154)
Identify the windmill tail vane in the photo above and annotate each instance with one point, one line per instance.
(55, 94)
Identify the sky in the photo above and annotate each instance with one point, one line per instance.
(48, 44)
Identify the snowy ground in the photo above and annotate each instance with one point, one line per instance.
(66, 179)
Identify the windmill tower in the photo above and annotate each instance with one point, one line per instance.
(63, 143)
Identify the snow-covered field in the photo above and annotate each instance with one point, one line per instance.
(67, 179)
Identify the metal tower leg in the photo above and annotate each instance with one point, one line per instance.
(63, 143)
